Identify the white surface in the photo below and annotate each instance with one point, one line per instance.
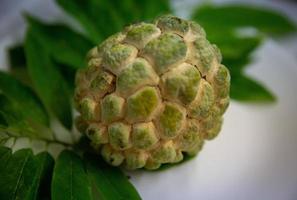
(254, 157)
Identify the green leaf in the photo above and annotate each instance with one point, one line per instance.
(3, 136)
(81, 10)
(103, 18)
(5, 155)
(47, 80)
(21, 177)
(110, 182)
(221, 24)
(70, 180)
(65, 46)
(15, 121)
(17, 63)
(145, 10)
(246, 89)
(236, 66)
(45, 165)
(238, 16)
(16, 56)
(19, 124)
(233, 46)
(68, 74)
(152, 8)
(3, 122)
(25, 98)
(4, 152)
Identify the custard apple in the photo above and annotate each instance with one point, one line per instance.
(152, 93)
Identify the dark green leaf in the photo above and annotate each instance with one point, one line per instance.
(236, 66)
(3, 136)
(65, 46)
(103, 18)
(3, 122)
(47, 80)
(153, 8)
(135, 11)
(3, 152)
(16, 56)
(7, 106)
(68, 74)
(222, 23)
(110, 182)
(21, 176)
(15, 121)
(70, 180)
(31, 107)
(81, 10)
(234, 47)
(19, 124)
(14, 177)
(17, 63)
(246, 89)
(237, 16)
(5, 155)
(45, 164)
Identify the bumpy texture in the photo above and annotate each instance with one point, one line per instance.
(152, 93)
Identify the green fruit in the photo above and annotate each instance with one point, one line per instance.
(152, 93)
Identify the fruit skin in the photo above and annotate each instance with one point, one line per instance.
(152, 93)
